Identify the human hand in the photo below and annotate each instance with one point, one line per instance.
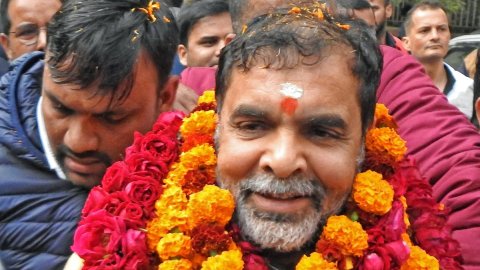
(186, 99)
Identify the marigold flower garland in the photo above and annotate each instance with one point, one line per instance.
(160, 207)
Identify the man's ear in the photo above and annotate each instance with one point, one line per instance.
(229, 38)
(406, 43)
(167, 96)
(477, 109)
(388, 11)
(6, 45)
(182, 54)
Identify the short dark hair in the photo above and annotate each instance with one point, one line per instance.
(190, 14)
(283, 40)
(423, 5)
(100, 41)
(5, 22)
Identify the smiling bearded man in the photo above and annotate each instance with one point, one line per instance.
(295, 98)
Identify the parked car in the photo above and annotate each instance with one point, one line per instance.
(460, 46)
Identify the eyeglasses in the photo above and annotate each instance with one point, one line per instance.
(28, 34)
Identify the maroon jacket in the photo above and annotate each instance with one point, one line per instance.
(441, 139)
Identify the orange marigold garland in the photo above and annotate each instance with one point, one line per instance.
(383, 227)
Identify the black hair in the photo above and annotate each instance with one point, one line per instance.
(283, 40)
(5, 22)
(174, 3)
(423, 5)
(190, 14)
(100, 42)
(476, 90)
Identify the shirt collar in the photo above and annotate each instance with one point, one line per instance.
(52, 161)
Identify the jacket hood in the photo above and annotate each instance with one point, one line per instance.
(20, 91)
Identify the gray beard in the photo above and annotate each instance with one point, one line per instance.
(278, 231)
(281, 232)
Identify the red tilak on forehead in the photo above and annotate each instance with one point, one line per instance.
(292, 93)
(289, 105)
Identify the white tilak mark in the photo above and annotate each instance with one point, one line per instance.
(291, 90)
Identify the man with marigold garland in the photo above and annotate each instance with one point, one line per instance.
(446, 150)
(295, 98)
(68, 114)
(316, 184)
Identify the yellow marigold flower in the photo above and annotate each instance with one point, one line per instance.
(383, 117)
(199, 122)
(384, 146)
(403, 200)
(347, 235)
(372, 194)
(211, 205)
(199, 156)
(174, 245)
(172, 198)
(420, 260)
(175, 176)
(406, 239)
(203, 154)
(231, 260)
(314, 262)
(154, 233)
(207, 97)
(181, 264)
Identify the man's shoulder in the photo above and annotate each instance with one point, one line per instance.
(459, 77)
(199, 78)
(20, 90)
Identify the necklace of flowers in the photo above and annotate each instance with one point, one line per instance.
(159, 207)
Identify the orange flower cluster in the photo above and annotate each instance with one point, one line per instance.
(189, 229)
(314, 262)
(383, 118)
(384, 147)
(372, 194)
(345, 234)
(420, 260)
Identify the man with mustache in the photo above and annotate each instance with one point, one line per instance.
(446, 149)
(69, 113)
(295, 98)
(427, 36)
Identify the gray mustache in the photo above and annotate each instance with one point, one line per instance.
(294, 186)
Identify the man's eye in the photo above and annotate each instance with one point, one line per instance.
(112, 119)
(27, 32)
(320, 132)
(209, 42)
(62, 109)
(251, 126)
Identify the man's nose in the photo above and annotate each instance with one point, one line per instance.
(81, 136)
(42, 40)
(219, 47)
(434, 34)
(284, 155)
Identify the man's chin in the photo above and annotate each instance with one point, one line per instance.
(279, 232)
(84, 180)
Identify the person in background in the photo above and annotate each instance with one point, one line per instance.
(427, 37)
(203, 27)
(3, 62)
(70, 113)
(23, 25)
